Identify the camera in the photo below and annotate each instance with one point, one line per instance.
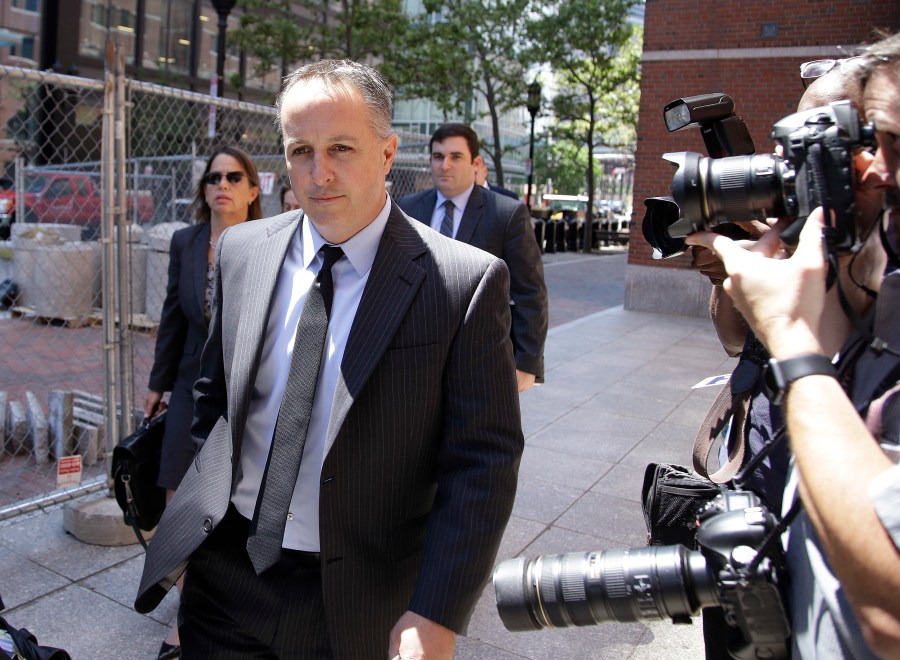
(816, 169)
(674, 582)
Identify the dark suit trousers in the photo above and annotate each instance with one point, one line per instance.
(227, 611)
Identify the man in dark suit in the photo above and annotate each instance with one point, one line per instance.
(412, 440)
(495, 224)
(481, 179)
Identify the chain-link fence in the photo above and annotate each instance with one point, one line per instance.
(84, 158)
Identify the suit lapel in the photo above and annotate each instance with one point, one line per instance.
(197, 264)
(425, 208)
(263, 266)
(472, 215)
(393, 283)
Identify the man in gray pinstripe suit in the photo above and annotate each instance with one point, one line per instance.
(409, 470)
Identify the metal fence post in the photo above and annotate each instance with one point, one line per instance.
(108, 256)
(123, 236)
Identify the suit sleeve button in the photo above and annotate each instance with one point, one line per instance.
(207, 525)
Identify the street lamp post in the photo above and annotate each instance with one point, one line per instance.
(223, 8)
(532, 104)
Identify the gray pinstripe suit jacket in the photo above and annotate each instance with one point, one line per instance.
(425, 436)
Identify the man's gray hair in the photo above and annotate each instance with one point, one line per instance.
(336, 74)
(878, 54)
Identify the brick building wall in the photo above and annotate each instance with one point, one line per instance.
(751, 51)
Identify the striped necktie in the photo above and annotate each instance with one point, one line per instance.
(447, 222)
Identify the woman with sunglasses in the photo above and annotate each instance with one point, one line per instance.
(227, 194)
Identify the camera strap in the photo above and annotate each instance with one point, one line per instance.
(729, 410)
(772, 540)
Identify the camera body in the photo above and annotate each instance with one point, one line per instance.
(673, 582)
(815, 169)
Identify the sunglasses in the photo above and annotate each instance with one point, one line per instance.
(215, 178)
(810, 71)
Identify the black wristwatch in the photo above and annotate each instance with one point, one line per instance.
(781, 373)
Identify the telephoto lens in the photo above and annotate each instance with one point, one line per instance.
(588, 588)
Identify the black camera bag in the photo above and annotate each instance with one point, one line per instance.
(672, 496)
(135, 469)
(26, 644)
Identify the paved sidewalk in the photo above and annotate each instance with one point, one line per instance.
(618, 396)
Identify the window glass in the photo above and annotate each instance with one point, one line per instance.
(167, 35)
(26, 50)
(28, 5)
(102, 20)
(59, 188)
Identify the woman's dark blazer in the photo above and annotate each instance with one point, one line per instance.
(182, 333)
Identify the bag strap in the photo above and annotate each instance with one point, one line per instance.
(130, 513)
(726, 406)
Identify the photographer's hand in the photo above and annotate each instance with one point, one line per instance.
(782, 299)
(728, 322)
(785, 303)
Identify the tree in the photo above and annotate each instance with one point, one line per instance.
(560, 162)
(276, 33)
(270, 32)
(595, 54)
(462, 48)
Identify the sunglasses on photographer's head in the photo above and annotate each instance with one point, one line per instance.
(215, 178)
(810, 71)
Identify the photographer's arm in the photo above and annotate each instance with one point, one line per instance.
(727, 320)
(784, 302)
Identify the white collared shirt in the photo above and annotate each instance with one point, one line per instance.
(459, 206)
(301, 264)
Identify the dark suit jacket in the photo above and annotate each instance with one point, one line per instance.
(425, 437)
(500, 190)
(501, 226)
(182, 333)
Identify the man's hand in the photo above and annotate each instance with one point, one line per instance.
(416, 638)
(709, 265)
(524, 380)
(782, 299)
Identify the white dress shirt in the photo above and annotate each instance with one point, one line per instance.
(459, 206)
(301, 265)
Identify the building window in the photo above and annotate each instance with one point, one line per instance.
(27, 5)
(101, 21)
(25, 51)
(167, 36)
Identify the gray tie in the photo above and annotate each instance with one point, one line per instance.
(447, 222)
(270, 517)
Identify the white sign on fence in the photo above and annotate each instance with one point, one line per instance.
(266, 182)
(68, 471)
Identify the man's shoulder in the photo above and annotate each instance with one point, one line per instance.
(412, 199)
(505, 192)
(508, 204)
(444, 251)
(504, 208)
(265, 225)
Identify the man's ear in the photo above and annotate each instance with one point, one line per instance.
(477, 161)
(390, 151)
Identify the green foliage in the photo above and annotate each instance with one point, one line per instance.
(462, 49)
(270, 32)
(562, 163)
(283, 33)
(595, 54)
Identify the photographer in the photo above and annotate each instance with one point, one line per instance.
(843, 548)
